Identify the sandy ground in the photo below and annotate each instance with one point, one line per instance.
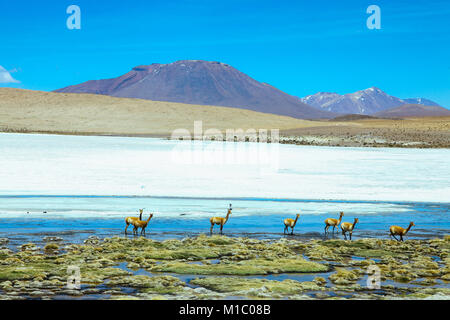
(429, 132)
(36, 111)
(87, 114)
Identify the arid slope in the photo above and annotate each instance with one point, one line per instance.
(89, 114)
(37, 111)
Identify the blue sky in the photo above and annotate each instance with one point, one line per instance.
(300, 47)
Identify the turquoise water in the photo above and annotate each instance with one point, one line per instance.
(76, 218)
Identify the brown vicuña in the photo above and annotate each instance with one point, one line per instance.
(219, 221)
(290, 223)
(348, 227)
(330, 222)
(129, 220)
(399, 231)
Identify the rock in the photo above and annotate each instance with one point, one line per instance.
(91, 291)
(29, 247)
(300, 297)
(425, 282)
(446, 277)
(156, 284)
(8, 297)
(403, 275)
(38, 293)
(92, 240)
(6, 251)
(52, 239)
(6, 285)
(132, 265)
(70, 292)
(51, 248)
(321, 295)
(12, 261)
(320, 281)
(123, 297)
(113, 292)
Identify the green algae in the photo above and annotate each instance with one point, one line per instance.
(146, 284)
(345, 277)
(255, 287)
(187, 253)
(23, 272)
(34, 271)
(246, 267)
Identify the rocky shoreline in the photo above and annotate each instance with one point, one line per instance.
(363, 140)
(219, 267)
(429, 133)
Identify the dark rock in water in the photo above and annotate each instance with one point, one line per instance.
(70, 292)
(92, 240)
(52, 239)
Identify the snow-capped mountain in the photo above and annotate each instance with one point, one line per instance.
(368, 101)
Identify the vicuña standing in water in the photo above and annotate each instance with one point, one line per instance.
(220, 221)
(290, 223)
(399, 231)
(348, 227)
(129, 220)
(330, 222)
(141, 224)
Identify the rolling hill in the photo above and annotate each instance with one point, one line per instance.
(39, 111)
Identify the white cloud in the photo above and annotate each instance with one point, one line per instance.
(5, 76)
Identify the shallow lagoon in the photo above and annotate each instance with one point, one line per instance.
(88, 184)
(76, 218)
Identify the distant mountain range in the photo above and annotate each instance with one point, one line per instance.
(218, 84)
(368, 101)
(413, 110)
(200, 82)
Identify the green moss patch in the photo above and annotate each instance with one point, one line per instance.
(255, 287)
(246, 267)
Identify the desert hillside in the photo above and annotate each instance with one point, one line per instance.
(38, 111)
(414, 110)
(73, 113)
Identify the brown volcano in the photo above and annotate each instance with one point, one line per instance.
(202, 83)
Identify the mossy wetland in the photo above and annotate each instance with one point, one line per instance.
(221, 267)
